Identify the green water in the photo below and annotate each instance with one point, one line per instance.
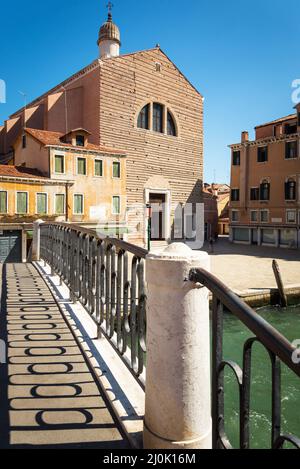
(287, 321)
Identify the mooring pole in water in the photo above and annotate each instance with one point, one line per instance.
(282, 294)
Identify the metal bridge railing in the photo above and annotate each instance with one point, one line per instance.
(107, 277)
(279, 350)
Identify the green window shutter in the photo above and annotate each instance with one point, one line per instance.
(22, 204)
(98, 168)
(116, 170)
(81, 166)
(59, 164)
(116, 205)
(3, 202)
(41, 203)
(78, 204)
(60, 204)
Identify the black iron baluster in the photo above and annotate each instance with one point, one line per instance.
(217, 377)
(141, 317)
(119, 313)
(126, 288)
(133, 313)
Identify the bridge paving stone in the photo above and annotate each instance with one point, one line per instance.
(48, 394)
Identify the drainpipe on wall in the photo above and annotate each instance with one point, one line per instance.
(67, 202)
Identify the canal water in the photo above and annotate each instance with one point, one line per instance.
(287, 321)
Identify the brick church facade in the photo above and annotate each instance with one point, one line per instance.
(137, 104)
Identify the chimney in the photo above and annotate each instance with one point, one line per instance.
(245, 136)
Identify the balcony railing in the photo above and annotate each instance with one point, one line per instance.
(278, 348)
(106, 276)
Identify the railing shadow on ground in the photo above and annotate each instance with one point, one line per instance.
(48, 397)
(101, 363)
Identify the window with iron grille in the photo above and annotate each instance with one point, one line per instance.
(291, 216)
(264, 216)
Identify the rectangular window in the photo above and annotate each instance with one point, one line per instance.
(291, 129)
(116, 205)
(291, 150)
(158, 117)
(81, 166)
(116, 169)
(24, 141)
(291, 216)
(236, 158)
(3, 202)
(262, 154)
(78, 204)
(79, 140)
(234, 216)
(60, 204)
(290, 190)
(59, 164)
(264, 216)
(254, 193)
(254, 216)
(235, 195)
(98, 168)
(22, 202)
(41, 203)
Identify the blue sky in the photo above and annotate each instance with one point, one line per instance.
(242, 55)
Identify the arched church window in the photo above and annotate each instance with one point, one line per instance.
(158, 112)
(157, 118)
(143, 119)
(171, 130)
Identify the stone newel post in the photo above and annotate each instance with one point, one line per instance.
(36, 241)
(178, 386)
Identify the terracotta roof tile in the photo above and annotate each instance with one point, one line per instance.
(20, 172)
(53, 138)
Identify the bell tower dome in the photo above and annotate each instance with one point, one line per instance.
(109, 37)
